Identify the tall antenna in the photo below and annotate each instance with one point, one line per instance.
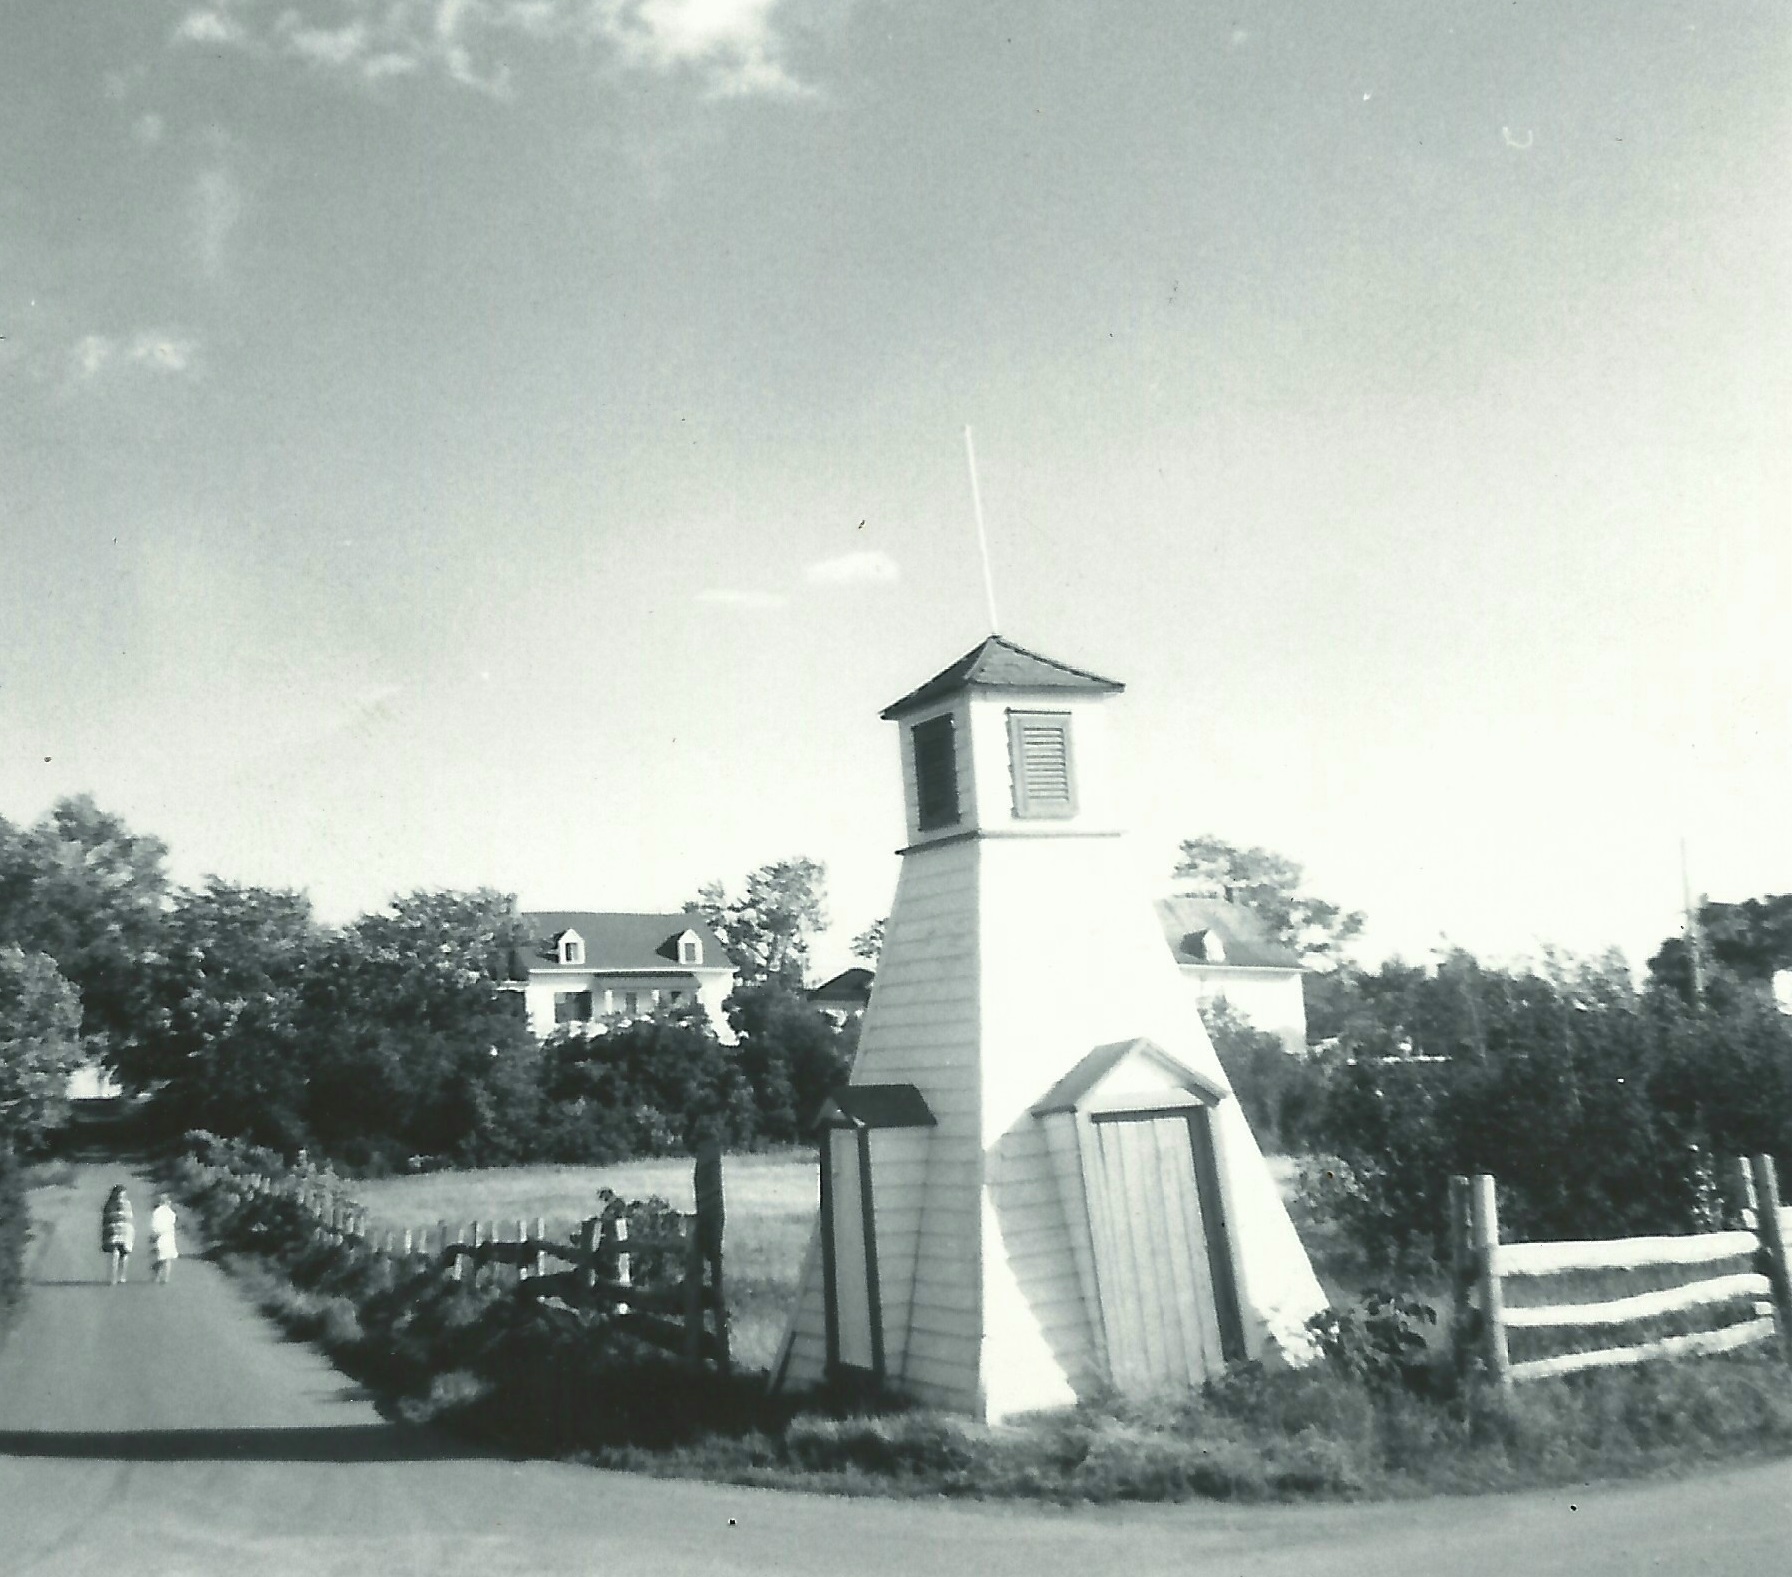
(989, 585)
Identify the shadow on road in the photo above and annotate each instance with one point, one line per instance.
(355, 1443)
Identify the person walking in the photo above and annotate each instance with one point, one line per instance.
(118, 1235)
(163, 1250)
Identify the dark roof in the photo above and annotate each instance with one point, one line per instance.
(618, 941)
(1190, 922)
(850, 985)
(1065, 1095)
(877, 1106)
(999, 664)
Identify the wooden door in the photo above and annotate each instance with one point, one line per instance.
(1161, 1262)
(855, 1338)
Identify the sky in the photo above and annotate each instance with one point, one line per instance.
(520, 442)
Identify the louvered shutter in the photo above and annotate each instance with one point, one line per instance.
(1039, 758)
(936, 774)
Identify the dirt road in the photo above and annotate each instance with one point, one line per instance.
(170, 1431)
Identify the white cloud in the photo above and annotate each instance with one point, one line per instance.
(210, 27)
(733, 47)
(867, 567)
(215, 205)
(724, 597)
(147, 129)
(155, 351)
(161, 351)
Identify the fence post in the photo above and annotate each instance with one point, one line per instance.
(522, 1237)
(711, 1218)
(1462, 1274)
(619, 1233)
(454, 1263)
(588, 1245)
(1484, 1216)
(541, 1259)
(1772, 1232)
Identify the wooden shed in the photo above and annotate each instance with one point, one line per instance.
(1082, 1206)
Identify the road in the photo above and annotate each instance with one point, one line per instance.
(165, 1431)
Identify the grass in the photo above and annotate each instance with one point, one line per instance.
(479, 1361)
(770, 1200)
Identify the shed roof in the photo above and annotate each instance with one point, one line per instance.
(617, 941)
(1189, 920)
(877, 1106)
(1069, 1092)
(998, 664)
(850, 985)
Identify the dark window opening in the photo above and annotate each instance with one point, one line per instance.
(936, 774)
(572, 1007)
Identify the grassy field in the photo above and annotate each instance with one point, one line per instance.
(770, 1202)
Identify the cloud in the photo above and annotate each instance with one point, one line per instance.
(214, 206)
(210, 27)
(733, 48)
(152, 351)
(867, 567)
(147, 129)
(724, 597)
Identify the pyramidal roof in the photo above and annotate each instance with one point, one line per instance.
(998, 664)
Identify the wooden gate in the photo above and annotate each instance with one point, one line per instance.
(1168, 1303)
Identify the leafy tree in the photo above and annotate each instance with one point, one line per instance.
(80, 886)
(767, 927)
(1269, 885)
(222, 1039)
(1279, 1093)
(869, 943)
(791, 1055)
(40, 1044)
(1745, 943)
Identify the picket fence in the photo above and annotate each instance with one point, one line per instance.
(685, 1313)
(1481, 1266)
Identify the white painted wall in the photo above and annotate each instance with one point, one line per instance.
(709, 987)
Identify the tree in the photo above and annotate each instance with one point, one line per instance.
(792, 1056)
(1268, 884)
(869, 943)
(1745, 943)
(40, 1043)
(80, 886)
(768, 927)
(223, 1039)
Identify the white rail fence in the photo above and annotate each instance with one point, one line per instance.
(1482, 1267)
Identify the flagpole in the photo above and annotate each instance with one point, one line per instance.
(989, 585)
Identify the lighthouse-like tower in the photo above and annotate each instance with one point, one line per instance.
(1037, 1184)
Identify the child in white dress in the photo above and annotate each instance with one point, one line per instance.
(163, 1251)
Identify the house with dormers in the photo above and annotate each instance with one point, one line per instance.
(584, 968)
(1225, 953)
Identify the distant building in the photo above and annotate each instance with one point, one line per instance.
(844, 997)
(1224, 951)
(580, 967)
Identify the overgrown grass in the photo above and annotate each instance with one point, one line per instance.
(1378, 1418)
(770, 1197)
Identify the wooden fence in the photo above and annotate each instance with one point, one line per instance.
(1482, 1266)
(599, 1266)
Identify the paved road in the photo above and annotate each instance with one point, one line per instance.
(165, 1431)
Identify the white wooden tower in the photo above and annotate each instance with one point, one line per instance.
(1037, 1185)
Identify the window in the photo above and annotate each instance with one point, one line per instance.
(1039, 758)
(572, 1007)
(673, 998)
(936, 774)
(690, 950)
(572, 948)
(631, 1002)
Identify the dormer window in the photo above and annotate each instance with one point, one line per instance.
(1039, 760)
(571, 948)
(936, 774)
(690, 949)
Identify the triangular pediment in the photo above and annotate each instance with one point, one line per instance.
(1130, 1073)
(998, 664)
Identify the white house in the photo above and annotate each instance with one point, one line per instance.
(1036, 1186)
(1224, 951)
(582, 967)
